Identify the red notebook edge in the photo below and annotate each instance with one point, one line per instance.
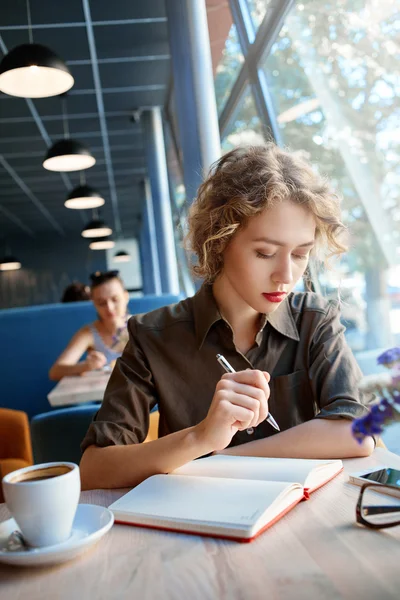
(213, 535)
(308, 491)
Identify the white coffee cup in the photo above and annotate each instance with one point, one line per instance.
(43, 500)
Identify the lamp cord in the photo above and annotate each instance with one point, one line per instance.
(28, 10)
(65, 119)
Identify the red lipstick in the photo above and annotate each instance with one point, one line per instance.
(275, 296)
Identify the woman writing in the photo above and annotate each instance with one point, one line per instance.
(103, 339)
(256, 221)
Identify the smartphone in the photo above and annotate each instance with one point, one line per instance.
(383, 475)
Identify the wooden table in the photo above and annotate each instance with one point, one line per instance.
(316, 552)
(78, 389)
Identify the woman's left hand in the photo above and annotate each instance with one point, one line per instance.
(95, 360)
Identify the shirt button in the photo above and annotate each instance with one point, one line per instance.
(250, 430)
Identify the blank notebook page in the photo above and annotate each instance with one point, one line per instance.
(268, 469)
(204, 499)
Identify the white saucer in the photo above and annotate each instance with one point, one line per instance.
(90, 524)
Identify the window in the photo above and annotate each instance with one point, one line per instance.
(258, 10)
(333, 78)
(228, 68)
(245, 127)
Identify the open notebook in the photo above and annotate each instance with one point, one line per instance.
(233, 497)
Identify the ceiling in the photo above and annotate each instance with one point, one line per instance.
(118, 53)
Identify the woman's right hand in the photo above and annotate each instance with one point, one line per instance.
(94, 360)
(240, 401)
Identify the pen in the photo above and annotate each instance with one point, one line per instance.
(229, 369)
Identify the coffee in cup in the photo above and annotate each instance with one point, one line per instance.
(43, 500)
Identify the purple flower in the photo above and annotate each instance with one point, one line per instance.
(387, 409)
(375, 421)
(389, 357)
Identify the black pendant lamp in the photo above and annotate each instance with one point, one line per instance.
(122, 256)
(102, 244)
(84, 196)
(68, 155)
(9, 263)
(95, 229)
(34, 71)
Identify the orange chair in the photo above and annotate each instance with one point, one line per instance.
(15, 442)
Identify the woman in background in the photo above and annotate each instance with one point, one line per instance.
(105, 338)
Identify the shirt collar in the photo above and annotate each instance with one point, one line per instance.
(206, 312)
(282, 320)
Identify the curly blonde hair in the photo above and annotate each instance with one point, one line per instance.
(242, 184)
